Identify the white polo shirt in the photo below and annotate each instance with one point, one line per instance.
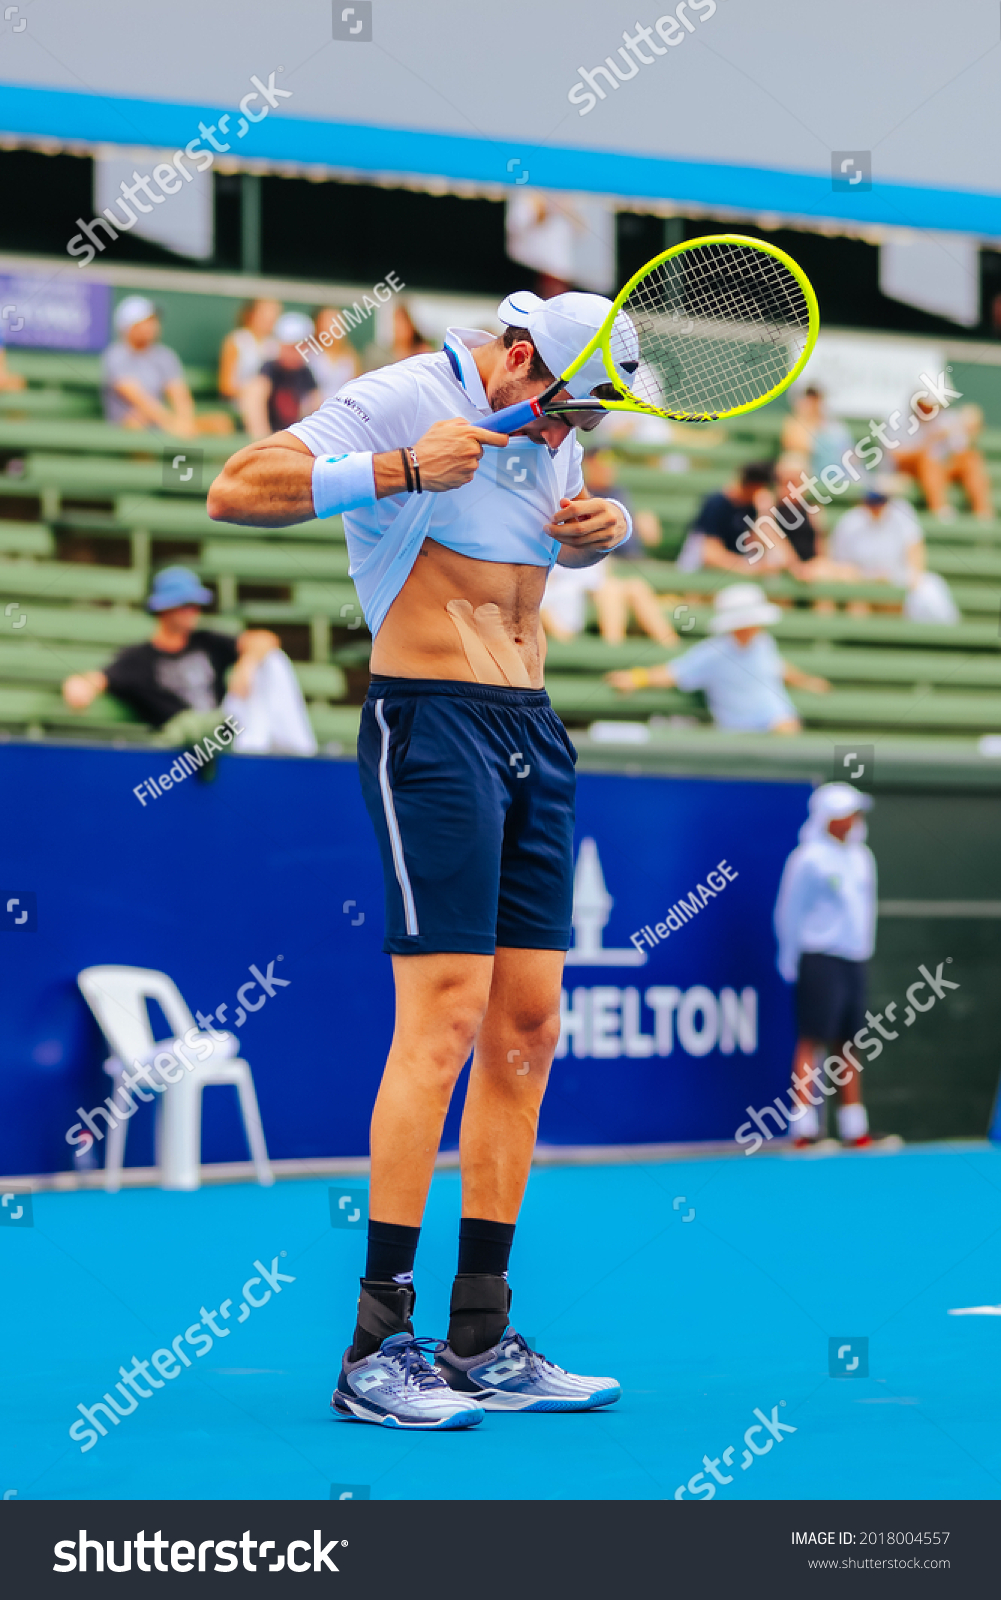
(878, 546)
(498, 516)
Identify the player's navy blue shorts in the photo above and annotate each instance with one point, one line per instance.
(830, 997)
(470, 787)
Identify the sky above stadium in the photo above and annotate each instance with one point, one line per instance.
(742, 102)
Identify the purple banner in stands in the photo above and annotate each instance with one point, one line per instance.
(52, 311)
(260, 894)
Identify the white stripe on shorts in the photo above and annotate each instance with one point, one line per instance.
(395, 840)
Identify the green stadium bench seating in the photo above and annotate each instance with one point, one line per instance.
(33, 403)
(69, 580)
(666, 579)
(581, 700)
(73, 371)
(31, 662)
(281, 562)
(112, 627)
(105, 439)
(26, 539)
(188, 519)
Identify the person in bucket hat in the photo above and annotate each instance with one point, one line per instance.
(184, 674)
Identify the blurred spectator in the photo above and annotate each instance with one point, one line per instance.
(182, 670)
(616, 590)
(563, 612)
(712, 540)
(8, 379)
(811, 432)
(739, 669)
(805, 544)
(407, 337)
(284, 390)
(144, 384)
(245, 350)
(568, 241)
(337, 363)
(825, 922)
(882, 540)
(942, 452)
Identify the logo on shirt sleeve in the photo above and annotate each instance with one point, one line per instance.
(352, 405)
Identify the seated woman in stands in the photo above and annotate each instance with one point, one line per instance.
(618, 591)
(941, 452)
(245, 350)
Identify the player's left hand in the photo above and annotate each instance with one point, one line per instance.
(587, 524)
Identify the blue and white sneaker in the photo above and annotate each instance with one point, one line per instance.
(398, 1388)
(514, 1377)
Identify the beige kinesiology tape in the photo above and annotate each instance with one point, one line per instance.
(492, 656)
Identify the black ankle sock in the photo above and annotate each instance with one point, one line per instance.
(484, 1246)
(391, 1250)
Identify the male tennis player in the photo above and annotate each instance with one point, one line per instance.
(469, 779)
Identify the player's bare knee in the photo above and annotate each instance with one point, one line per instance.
(537, 1027)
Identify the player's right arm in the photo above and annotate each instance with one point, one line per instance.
(270, 484)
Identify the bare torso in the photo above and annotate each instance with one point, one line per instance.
(420, 638)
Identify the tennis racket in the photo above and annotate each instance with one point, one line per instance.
(708, 329)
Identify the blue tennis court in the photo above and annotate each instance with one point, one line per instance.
(735, 1307)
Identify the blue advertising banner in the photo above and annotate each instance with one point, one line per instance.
(53, 311)
(260, 894)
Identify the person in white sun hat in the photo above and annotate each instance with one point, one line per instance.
(825, 924)
(738, 667)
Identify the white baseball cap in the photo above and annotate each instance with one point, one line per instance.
(562, 326)
(134, 308)
(293, 327)
(833, 801)
(742, 605)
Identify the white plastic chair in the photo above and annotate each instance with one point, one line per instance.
(117, 996)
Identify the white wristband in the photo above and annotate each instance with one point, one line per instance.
(629, 523)
(343, 483)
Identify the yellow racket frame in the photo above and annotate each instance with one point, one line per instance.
(630, 402)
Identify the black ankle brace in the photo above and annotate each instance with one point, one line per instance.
(383, 1309)
(479, 1312)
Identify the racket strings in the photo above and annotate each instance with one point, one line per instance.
(713, 328)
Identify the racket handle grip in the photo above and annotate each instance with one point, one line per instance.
(511, 418)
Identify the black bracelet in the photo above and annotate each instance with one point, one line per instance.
(406, 470)
(416, 467)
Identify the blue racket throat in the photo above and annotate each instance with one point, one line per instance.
(511, 418)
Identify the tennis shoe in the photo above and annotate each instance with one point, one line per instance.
(513, 1377)
(397, 1387)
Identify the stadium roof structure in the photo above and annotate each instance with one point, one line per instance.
(710, 108)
